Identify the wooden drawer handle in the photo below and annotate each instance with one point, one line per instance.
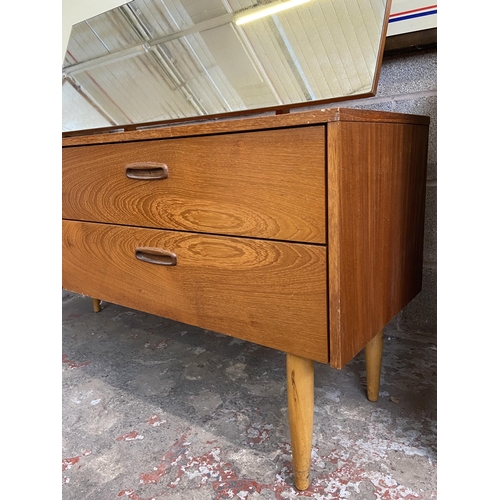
(156, 256)
(146, 171)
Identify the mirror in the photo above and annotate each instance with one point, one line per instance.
(171, 60)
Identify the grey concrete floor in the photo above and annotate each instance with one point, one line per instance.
(154, 409)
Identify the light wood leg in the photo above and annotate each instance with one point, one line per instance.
(373, 359)
(97, 305)
(300, 385)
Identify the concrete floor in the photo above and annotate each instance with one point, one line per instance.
(154, 409)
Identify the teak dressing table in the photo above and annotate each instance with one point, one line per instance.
(299, 231)
(302, 232)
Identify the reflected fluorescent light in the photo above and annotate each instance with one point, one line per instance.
(268, 10)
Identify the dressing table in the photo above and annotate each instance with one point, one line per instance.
(300, 231)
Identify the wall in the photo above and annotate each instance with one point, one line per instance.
(408, 84)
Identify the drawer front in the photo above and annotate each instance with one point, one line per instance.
(265, 184)
(267, 292)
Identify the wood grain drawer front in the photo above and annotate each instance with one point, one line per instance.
(264, 184)
(268, 292)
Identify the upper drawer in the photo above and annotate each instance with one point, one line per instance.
(266, 184)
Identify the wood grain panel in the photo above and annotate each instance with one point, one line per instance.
(268, 184)
(376, 200)
(160, 130)
(267, 292)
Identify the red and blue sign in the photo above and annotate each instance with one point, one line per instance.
(411, 15)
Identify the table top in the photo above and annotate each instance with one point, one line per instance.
(163, 130)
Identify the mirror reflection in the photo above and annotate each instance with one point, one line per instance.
(152, 60)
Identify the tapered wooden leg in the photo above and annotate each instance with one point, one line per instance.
(373, 358)
(300, 385)
(97, 305)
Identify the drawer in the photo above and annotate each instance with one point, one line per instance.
(264, 184)
(268, 292)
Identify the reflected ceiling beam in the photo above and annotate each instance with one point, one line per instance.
(198, 60)
(142, 48)
(109, 99)
(290, 57)
(163, 60)
(247, 46)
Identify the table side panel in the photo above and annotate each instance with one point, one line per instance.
(376, 203)
(267, 292)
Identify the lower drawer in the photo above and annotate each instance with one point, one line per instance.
(267, 292)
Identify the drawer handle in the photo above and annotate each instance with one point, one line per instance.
(156, 256)
(146, 171)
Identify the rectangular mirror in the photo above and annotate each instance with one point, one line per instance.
(172, 60)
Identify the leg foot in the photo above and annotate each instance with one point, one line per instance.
(373, 359)
(300, 385)
(96, 303)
